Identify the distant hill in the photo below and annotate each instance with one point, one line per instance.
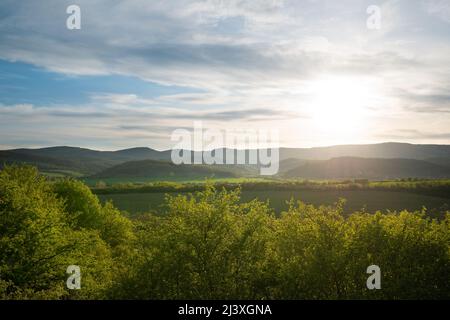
(44, 163)
(164, 170)
(440, 161)
(289, 164)
(86, 162)
(139, 154)
(83, 161)
(354, 168)
(390, 150)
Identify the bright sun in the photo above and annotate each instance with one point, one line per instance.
(339, 105)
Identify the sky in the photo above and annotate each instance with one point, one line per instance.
(314, 70)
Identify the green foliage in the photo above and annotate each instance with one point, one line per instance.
(38, 242)
(207, 246)
(85, 211)
(321, 255)
(210, 245)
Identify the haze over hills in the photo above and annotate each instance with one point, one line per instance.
(81, 160)
(367, 168)
(164, 170)
(373, 161)
(336, 168)
(390, 150)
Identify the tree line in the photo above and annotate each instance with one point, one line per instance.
(435, 187)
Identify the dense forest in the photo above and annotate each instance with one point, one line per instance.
(209, 245)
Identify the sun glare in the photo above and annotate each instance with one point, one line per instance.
(339, 105)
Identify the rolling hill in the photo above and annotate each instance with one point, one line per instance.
(164, 170)
(80, 160)
(44, 163)
(75, 161)
(366, 168)
(389, 150)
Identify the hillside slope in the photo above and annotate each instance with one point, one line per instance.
(86, 162)
(164, 170)
(352, 167)
(391, 150)
(81, 160)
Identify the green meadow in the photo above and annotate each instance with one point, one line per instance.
(356, 200)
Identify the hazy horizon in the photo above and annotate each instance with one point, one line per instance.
(281, 147)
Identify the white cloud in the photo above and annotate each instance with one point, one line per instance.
(439, 8)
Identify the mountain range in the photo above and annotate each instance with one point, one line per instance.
(371, 161)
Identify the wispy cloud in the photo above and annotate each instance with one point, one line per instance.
(407, 134)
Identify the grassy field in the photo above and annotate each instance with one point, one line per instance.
(407, 194)
(372, 200)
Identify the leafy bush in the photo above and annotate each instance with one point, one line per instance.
(84, 210)
(209, 245)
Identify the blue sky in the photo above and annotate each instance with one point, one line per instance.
(23, 83)
(138, 70)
